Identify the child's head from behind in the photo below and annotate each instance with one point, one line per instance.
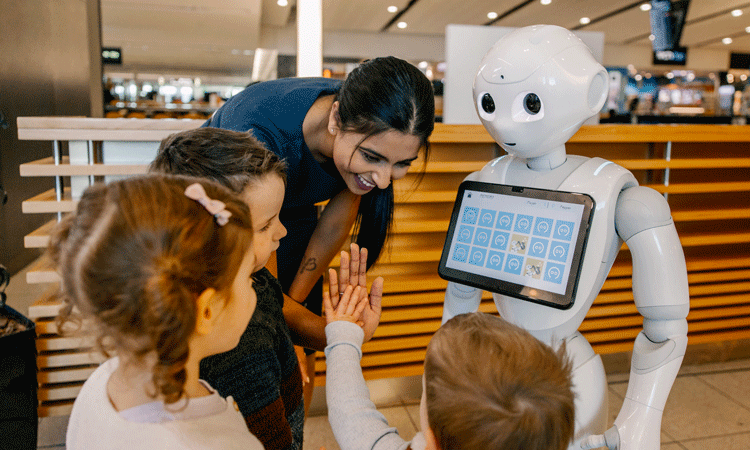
(491, 384)
(140, 257)
(239, 162)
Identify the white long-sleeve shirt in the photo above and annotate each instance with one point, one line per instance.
(210, 422)
(356, 423)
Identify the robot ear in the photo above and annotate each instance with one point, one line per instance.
(598, 90)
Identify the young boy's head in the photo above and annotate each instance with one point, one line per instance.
(490, 384)
(239, 162)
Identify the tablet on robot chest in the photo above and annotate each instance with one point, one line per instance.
(518, 241)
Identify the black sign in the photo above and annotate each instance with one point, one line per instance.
(674, 57)
(111, 55)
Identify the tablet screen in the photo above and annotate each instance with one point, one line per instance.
(522, 242)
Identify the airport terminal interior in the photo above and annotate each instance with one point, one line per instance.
(89, 88)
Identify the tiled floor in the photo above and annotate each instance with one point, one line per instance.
(708, 407)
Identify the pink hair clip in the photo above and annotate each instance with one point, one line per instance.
(217, 208)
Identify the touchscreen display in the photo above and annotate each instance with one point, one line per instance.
(522, 242)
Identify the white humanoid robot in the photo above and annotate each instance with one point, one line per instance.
(534, 89)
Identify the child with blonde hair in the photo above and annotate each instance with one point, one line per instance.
(162, 266)
(487, 384)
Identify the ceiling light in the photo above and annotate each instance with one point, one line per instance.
(585, 20)
(392, 9)
(402, 25)
(492, 15)
(423, 65)
(645, 6)
(727, 40)
(737, 13)
(282, 2)
(747, 29)
(546, 2)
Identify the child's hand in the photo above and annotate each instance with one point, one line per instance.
(349, 308)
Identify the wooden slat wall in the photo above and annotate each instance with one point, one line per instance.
(704, 170)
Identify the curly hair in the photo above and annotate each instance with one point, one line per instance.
(491, 384)
(135, 256)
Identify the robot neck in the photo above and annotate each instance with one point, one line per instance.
(549, 161)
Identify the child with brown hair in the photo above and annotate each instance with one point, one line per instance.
(487, 384)
(262, 373)
(162, 266)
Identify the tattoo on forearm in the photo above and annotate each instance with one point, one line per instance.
(309, 266)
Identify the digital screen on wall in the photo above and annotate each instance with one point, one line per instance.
(674, 57)
(667, 20)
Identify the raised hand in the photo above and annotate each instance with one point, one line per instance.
(353, 273)
(350, 305)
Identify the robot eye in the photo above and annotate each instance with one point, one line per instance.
(532, 104)
(488, 105)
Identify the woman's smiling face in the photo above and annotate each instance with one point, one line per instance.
(369, 162)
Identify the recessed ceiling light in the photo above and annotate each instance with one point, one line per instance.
(645, 6)
(392, 9)
(737, 13)
(402, 25)
(545, 2)
(492, 15)
(282, 2)
(727, 40)
(585, 20)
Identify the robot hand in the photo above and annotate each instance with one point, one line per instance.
(460, 299)
(610, 439)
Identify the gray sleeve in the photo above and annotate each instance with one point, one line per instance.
(356, 424)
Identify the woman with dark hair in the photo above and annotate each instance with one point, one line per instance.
(343, 142)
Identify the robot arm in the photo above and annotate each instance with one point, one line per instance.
(660, 289)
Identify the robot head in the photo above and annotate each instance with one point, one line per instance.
(535, 87)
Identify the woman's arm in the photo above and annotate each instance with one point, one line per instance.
(333, 229)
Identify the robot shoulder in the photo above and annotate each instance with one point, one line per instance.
(640, 208)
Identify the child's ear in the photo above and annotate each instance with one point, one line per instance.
(207, 309)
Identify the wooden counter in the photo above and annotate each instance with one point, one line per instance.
(703, 170)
